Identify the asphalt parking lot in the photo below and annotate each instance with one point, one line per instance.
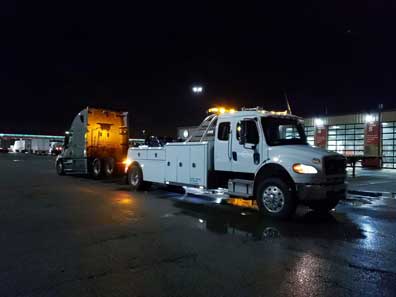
(73, 236)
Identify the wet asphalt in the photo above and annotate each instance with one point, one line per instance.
(72, 236)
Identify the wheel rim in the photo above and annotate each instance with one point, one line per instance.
(273, 199)
(96, 167)
(135, 178)
(60, 167)
(109, 168)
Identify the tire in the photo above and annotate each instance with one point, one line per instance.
(135, 179)
(96, 168)
(275, 198)
(60, 169)
(109, 167)
(323, 206)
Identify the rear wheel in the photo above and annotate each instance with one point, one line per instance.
(60, 168)
(96, 168)
(275, 198)
(109, 167)
(135, 178)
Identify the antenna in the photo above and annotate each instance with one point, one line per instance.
(288, 104)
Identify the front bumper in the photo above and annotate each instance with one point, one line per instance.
(306, 192)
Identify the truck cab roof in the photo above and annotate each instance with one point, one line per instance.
(257, 113)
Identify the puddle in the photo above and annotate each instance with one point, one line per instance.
(239, 217)
(358, 200)
(248, 224)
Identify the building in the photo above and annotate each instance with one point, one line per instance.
(8, 140)
(370, 135)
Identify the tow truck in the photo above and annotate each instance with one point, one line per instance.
(253, 154)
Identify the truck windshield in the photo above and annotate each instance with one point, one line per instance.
(279, 131)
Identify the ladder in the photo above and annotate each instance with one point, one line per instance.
(205, 131)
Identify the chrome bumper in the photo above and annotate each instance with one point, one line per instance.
(307, 192)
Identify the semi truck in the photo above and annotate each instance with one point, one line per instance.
(40, 146)
(251, 153)
(95, 144)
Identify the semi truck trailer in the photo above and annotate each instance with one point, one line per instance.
(95, 144)
(250, 153)
(22, 146)
(40, 146)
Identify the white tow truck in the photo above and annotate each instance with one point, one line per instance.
(252, 153)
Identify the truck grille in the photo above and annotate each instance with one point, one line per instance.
(334, 165)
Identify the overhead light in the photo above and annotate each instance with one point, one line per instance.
(319, 122)
(369, 118)
(185, 133)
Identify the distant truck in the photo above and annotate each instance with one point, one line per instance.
(40, 146)
(253, 153)
(22, 146)
(55, 148)
(95, 144)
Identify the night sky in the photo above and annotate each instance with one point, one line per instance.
(58, 57)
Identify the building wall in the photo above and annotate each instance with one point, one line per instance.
(367, 134)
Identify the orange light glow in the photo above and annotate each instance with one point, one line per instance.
(242, 202)
(221, 110)
(125, 201)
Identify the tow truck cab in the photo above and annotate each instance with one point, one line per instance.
(255, 154)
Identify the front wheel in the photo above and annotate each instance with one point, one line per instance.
(60, 170)
(275, 198)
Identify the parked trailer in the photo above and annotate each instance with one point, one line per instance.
(254, 154)
(96, 143)
(22, 146)
(40, 146)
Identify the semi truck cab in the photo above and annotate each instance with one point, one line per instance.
(95, 144)
(254, 154)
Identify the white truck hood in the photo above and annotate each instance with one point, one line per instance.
(299, 152)
(288, 155)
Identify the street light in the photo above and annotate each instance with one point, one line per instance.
(197, 89)
(319, 122)
(369, 118)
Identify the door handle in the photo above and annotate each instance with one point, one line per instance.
(256, 158)
(234, 156)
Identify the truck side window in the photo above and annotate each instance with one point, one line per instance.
(251, 132)
(224, 131)
(252, 135)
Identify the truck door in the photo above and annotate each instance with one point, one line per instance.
(222, 150)
(246, 145)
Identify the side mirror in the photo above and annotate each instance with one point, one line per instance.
(67, 139)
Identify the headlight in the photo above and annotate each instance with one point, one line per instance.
(127, 162)
(304, 169)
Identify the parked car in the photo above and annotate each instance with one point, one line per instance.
(3, 150)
